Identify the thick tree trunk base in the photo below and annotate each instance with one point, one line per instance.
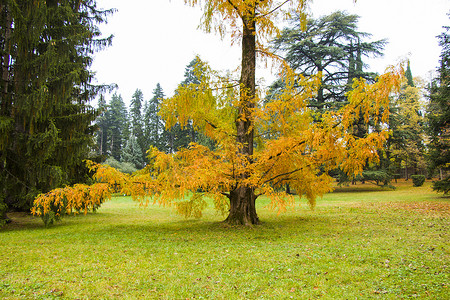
(242, 208)
(239, 220)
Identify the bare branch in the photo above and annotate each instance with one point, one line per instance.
(235, 7)
(274, 10)
(283, 174)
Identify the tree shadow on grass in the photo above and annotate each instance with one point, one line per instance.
(113, 223)
(22, 221)
(271, 229)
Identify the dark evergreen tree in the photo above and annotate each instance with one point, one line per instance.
(132, 153)
(408, 75)
(180, 137)
(153, 125)
(118, 131)
(136, 120)
(333, 46)
(46, 49)
(102, 124)
(438, 116)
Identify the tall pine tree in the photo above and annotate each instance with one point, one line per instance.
(102, 124)
(118, 131)
(46, 49)
(438, 116)
(153, 124)
(136, 120)
(132, 153)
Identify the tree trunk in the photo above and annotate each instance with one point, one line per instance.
(242, 207)
(242, 199)
(5, 59)
(406, 170)
(320, 96)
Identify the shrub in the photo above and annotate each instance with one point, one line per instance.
(442, 186)
(124, 167)
(377, 176)
(418, 180)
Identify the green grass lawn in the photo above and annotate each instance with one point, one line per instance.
(359, 243)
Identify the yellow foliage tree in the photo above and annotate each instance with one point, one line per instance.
(259, 148)
(245, 164)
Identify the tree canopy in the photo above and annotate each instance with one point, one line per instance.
(332, 46)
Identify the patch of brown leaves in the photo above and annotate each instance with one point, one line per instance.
(441, 209)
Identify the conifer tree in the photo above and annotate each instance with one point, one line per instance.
(118, 131)
(46, 49)
(132, 153)
(153, 125)
(230, 114)
(408, 75)
(333, 46)
(136, 120)
(102, 124)
(438, 116)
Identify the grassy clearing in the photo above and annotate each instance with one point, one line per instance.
(360, 242)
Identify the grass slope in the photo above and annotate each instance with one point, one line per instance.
(359, 242)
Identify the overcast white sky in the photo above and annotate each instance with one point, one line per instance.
(155, 40)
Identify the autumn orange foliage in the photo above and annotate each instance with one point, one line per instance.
(80, 198)
(300, 154)
(260, 147)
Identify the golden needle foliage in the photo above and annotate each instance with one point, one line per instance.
(80, 198)
(291, 148)
(287, 146)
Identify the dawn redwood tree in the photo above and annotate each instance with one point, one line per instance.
(245, 165)
(250, 174)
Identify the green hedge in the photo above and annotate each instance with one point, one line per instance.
(418, 180)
